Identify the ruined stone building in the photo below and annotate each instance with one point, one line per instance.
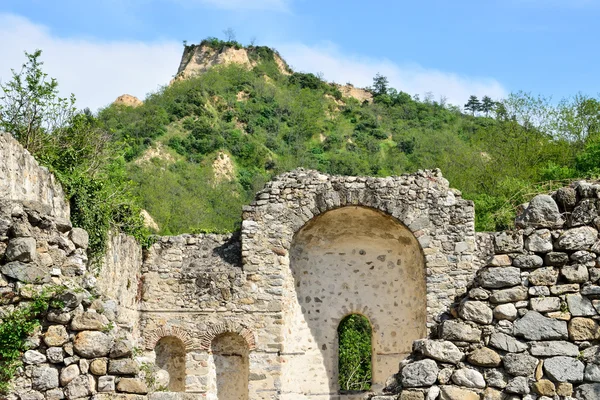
(454, 314)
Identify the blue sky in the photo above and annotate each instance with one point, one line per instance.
(103, 48)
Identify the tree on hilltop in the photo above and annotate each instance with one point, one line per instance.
(380, 85)
(473, 105)
(487, 105)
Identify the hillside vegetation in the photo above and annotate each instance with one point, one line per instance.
(270, 122)
(198, 149)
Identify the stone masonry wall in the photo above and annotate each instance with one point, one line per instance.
(529, 326)
(22, 179)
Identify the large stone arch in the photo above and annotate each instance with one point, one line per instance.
(439, 220)
(342, 258)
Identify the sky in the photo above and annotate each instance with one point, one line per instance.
(100, 49)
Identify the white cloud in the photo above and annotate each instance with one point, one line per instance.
(410, 78)
(95, 71)
(98, 71)
(270, 5)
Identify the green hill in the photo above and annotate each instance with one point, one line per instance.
(269, 120)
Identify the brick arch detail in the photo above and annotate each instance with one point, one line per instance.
(166, 331)
(215, 330)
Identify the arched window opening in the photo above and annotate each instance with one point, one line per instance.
(355, 363)
(230, 355)
(170, 357)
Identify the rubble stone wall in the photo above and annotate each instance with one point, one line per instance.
(529, 326)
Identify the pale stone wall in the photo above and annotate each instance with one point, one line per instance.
(22, 179)
(345, 261)
(119, 277)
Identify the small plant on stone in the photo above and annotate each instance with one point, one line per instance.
(17, 326)
(147, 370)
(564, 307)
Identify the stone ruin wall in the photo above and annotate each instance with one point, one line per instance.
(508, 315)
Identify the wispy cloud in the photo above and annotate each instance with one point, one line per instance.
(98, 71)
(95, 71)
(266, 5)
(410, 78)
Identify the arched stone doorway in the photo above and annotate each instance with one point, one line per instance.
(350, 260)
(229, 367)
(170, 356)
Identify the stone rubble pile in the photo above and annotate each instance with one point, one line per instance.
(529, 327)
(79, 350)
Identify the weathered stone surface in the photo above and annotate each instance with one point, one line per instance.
(420, 373)
(521, 364)
(582, 238)
(580, 306)
(564, 389)
(592, 373)
(456, 393)
(506, 342)
(405, 395)
(562, 289)
(89, 321)
(55, 354)
(440, 350)
(499, 260)
(499, 277)
(106, 384)
(68, 374)
(21, 249)
(544, 387)
(554, 348)
(546, 276)
(56, 335)
(132, 385)
(23, 272)
(54, 394)
(588, 391)
(542, 212)
(122, 348)
(492, 394)
(591, 291)
(518, 385)
(82, 386)
(539, 291)
(496, 378)
(534, 326)
(545, 304)
(485, 357)
(564, 369)
(33, 357)
(575, 273)
(44, 377)
(468, 378)
(528, 261)
(99, 366)
(476, 311)
(556, 259)
(92, 344)
(584, 329)
(458, 331)
(123, 367)
(79, 237)
(509, 295)
(508, 242)
(539, 241)
(506, 311)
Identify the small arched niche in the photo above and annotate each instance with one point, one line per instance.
(350, 260)
(230, 358)
(170, 356)
(355, 354)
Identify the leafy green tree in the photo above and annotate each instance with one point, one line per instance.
(380, 85)
(473, 105)
(487, 105)
(30, 107)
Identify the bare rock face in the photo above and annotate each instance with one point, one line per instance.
(128, 100)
